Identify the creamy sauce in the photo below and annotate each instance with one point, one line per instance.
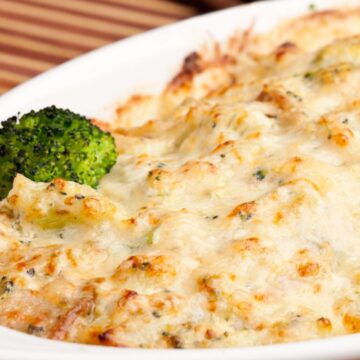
(230, 219)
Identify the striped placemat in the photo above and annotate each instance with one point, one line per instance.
(36, 35)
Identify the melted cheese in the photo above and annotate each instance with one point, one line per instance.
(232, 216)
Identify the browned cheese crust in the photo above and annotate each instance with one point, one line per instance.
(232, 216)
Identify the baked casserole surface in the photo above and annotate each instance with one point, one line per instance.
(232, 215)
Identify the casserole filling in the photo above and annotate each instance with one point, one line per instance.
(232, 215)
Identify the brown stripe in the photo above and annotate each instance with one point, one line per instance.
(56, 25)
(38, 46)
(93, 11)
(51, 40)
(11, 76)
(165, 7)
(18, 69)
(138, 7)
(7, 83)
(38, 30)
(74, 23)
(25, 62)
(33, 54)
(4, 89)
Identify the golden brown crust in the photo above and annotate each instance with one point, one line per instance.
(231, 217)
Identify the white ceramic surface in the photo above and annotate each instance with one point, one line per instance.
(92, 84)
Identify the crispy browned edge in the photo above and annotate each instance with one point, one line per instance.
(217, 55)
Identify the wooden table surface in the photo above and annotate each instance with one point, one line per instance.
(36, 35)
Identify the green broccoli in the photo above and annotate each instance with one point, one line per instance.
(54, 143)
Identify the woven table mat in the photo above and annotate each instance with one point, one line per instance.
(36, 35)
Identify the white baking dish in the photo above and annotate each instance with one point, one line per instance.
(93, 84)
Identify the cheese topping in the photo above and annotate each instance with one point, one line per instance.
(232, 216)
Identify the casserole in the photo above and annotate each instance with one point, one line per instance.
(99, 90)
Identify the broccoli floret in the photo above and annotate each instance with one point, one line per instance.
(54, 143)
